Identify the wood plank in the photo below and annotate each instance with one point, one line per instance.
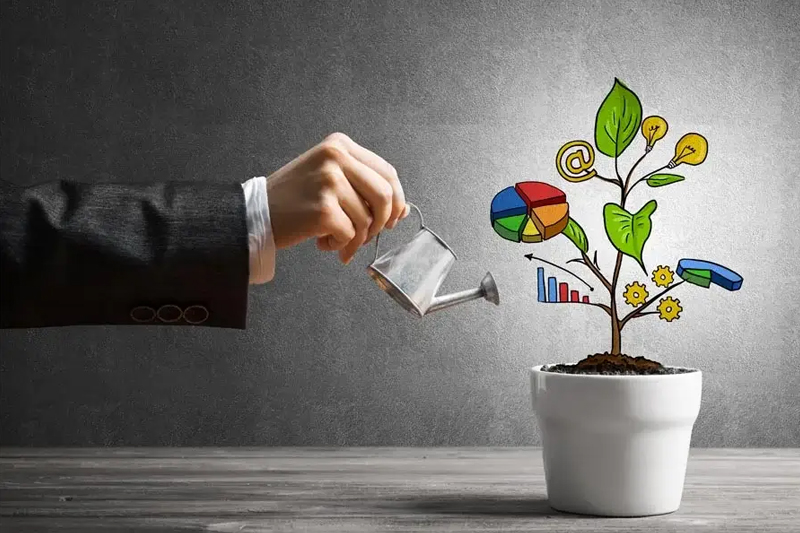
(362, 489)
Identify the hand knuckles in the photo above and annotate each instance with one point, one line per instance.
(338, 137)
(386, 194)
(363, 224)
(327, 211)
(331, 151)
(330, 177)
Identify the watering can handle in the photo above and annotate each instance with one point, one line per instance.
(421, 226)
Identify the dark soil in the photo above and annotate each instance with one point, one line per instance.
(616, 365)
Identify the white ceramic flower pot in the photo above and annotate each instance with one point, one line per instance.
(615, 445)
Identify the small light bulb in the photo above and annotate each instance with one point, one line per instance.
(653, 129)
(691, 149)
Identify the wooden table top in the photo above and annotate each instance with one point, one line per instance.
(363, 490)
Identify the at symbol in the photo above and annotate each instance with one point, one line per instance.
(572, 172)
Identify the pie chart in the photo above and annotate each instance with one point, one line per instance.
(705, 273)
(530, 211)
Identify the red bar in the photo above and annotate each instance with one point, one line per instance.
(563, 289)
(573, 296)
(586, 299)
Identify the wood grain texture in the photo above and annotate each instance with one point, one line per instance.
(363, 490)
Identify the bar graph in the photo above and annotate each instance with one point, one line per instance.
(551, 290)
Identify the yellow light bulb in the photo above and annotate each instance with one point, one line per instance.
(653, 129)
(691, 149)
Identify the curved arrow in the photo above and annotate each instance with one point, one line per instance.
(530, 257)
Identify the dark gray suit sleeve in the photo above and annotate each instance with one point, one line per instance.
(81, 254)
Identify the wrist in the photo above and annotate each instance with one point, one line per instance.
(259, 231)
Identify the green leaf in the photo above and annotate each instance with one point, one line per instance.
(659, 180)
(618, 120)
(575, 233)
(628, 232)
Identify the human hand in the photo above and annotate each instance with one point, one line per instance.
(339, 192)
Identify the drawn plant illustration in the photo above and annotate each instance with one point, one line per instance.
(617, 124)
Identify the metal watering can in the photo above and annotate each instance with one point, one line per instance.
(412, 273)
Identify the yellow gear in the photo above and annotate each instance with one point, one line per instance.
(669, 309)
(635, 294)
(663, 276)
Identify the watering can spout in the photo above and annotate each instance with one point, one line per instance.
(487, 290)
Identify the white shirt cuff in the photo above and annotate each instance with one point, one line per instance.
(259, 231)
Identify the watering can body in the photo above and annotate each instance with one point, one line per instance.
(412, 273)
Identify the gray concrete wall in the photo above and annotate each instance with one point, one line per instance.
(464, 98)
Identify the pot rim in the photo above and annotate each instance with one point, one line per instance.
(693, 372)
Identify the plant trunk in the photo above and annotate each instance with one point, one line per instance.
(616, 340)
(616, 327)
(616, 333)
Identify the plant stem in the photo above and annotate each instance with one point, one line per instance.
(638, 311)
(616, 324)
(616, 329)
(640, 315)
(616, 171)
(604, 307)
(596, 271)
(628, 179)
(637, 182)
(609, 180)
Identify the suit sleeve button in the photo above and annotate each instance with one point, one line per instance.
(169, 313)
(195, 314)
(143, 314)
